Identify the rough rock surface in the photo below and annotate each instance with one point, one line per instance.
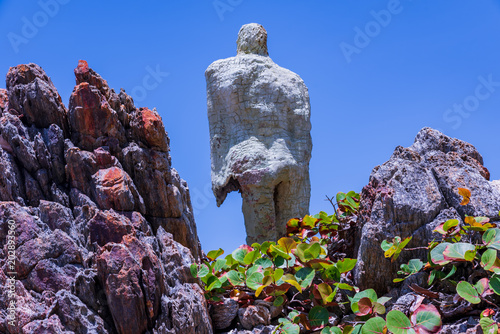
(412, 193)
(259, 117)
(103, 225)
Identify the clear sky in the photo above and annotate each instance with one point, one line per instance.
(377, 72)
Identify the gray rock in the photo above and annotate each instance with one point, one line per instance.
(259, 118)
(254, 315)
(223, 313)
(33, 95)
(412, 193)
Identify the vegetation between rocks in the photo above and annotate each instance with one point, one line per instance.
(307, 278)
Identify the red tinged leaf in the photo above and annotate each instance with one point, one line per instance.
(365, 306)
(426, 319)
(465, 193)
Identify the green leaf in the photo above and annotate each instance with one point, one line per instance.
(313, 251)
(468, 292)
(459, 251)
(386, 245)
(235, 278)
(452, 271)
(212, 255)
(219, 264)
(398, 323)
(199, 270)
(437, 256)
(278, 273)
(346, 265)
(331, 273)
(254, 281)
(450, 224)
(240, 253)
(488, 258)
(340, 197)
(488, 325)
(491, 238)
(290, 328)
(414, 265)
(213, 283)
(495, 284)
(251, 257)
(278, 301)
(264, 262)
(383, 300)
(305, 276)
(374, 325)
(277, 251)
(426, 319)
(318, 317)
(331, 330)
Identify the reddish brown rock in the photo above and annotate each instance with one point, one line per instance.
(114, 189)
(108, 226)
(32, 94)
(83, 73)
(131, 275)
(92, 119)
(148, 127)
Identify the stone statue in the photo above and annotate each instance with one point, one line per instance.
(259, 117)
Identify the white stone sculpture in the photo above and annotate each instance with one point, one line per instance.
(259, 117)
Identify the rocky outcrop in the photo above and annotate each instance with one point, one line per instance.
(414, 192)
(259, 117)
(103, 225)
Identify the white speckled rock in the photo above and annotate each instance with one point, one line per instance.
(259, 116)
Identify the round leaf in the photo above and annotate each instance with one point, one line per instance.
(398, 323)
(426, 319)
(235, 278)
(374, 325)
(318, 317)
(290, 328)
(254, 281)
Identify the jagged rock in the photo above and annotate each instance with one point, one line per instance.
(32, 94)
(259, 117)
(183, 306)
(223, 313)
(93, 122)
(147, 125)
(3, 100)
(412, 193)
(92, 255)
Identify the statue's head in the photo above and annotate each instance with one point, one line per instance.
(252, 39)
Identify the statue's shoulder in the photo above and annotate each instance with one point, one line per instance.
(237, 64)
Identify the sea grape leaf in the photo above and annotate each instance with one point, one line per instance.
(468, 292)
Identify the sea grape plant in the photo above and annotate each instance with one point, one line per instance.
(294, 273)
(472, 247)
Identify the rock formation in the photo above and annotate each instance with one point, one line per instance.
(259, 116)
(103, 224)
(412, 193)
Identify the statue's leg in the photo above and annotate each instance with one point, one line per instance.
(258, 211)
(292, 199)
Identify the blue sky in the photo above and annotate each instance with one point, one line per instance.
(377, 72)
